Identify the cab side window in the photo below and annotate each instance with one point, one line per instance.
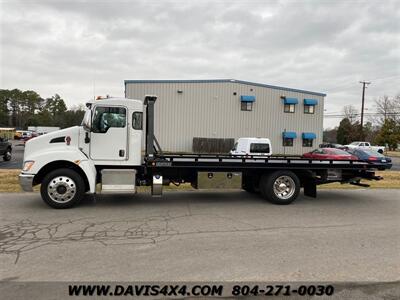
(137, 120)
(107, 117)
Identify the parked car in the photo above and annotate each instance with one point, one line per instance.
(29, 138)
(22, 134)
(365, 145)
(373, 157)
(252, 146)
(329, 153)
(5, 149)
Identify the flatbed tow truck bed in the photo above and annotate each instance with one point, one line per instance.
(277, 178)
(221, 161)
(258, 174)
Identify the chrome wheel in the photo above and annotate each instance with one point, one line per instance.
(61, 189)
(284, 187)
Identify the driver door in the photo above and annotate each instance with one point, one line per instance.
(109, 134)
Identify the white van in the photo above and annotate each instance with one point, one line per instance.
(252, 146)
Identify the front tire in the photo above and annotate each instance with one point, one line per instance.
(62, 188)
(280, 187)
(7, 155)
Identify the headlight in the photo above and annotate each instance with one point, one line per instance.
(27, 165)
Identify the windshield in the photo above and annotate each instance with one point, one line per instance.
(338, 152)
(373, 153)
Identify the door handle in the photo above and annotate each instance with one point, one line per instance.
(121, 153)
(87, 138)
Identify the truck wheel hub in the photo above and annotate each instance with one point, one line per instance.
(61, 189)
(284, 187)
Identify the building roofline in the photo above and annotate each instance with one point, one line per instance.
(225, 80)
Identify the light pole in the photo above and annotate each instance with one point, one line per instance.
(364, 83)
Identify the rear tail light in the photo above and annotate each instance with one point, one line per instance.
(373, 158)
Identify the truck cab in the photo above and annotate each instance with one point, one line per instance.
(252, 146)
(70, 161)
(115, 122)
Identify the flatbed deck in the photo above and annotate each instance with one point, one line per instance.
(226, 161)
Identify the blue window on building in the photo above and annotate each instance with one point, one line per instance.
(246, 102)
(309, 106)
(289, 104)
(308, 139)
(288, 138)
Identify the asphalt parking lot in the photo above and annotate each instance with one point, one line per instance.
(343, 235)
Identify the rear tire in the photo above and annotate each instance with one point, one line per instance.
(62, 188)
(280, 187)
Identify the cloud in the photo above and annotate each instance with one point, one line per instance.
(75, 47)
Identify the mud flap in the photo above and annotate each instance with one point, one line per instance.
(310, 189)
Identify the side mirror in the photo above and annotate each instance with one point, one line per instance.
(87, 121)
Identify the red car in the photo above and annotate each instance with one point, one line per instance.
(329, 153)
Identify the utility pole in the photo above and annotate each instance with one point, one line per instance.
(364, 83)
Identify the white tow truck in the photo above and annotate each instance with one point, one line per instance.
(106, 152)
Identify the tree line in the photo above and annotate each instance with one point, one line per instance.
(20, 109)
(382, 127)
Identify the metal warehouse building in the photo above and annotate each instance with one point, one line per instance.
(226, 108)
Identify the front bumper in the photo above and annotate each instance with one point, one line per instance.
(387, 166)
(25, 181)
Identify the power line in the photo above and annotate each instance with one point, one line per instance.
(357, 113)
(345, 85)
(365, 114)
(387, 77)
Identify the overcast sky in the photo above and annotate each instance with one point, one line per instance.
(82, 48)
